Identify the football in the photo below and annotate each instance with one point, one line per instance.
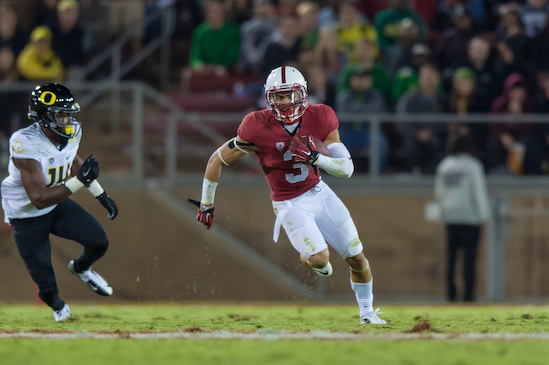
(319, 145)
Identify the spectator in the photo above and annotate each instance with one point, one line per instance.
(238, 11)
(511, 146)
(480, 62)
(320, 88)
(423, 143)
(38, 62)
(8, 69)
(124, 15)
(361, 97)
(256, 35)
(463, 100)
(307, 12)
(10, 33)
(388, 22)
(351, 28)
(462, 198)
(284, 49)
(327, 53)
(541, 131)
(45, 13)
(406, 78)
(94, 21)
(448, 8)
(68, 38)
(399, 55)
(451, 49)
(216, 42)
(534, 17)
(327, 17)
(284, 8)
(365, 55)
(510, 45)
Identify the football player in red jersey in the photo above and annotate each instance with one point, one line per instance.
(305, 206)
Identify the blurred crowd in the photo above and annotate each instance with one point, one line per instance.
(359, 56)
(400, 56)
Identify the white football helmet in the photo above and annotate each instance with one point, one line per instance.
(289, 80)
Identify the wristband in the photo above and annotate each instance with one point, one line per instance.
(95, 188)
(73, 184)
(208, 192)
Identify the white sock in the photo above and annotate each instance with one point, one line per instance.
(364, 295)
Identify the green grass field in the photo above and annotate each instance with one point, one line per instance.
(274, 334)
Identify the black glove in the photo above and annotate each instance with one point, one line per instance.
(109, 204)
(89, 171)
(205, 216)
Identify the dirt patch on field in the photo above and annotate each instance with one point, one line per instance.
(422, 325)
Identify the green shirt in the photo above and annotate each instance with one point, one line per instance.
(387, 23)
(215, 46)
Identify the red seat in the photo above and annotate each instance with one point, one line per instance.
(211, 102)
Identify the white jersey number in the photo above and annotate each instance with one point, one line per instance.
(293, 178)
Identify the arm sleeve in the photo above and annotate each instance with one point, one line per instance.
(339, 164)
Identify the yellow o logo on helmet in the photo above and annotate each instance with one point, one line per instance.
(52, 98)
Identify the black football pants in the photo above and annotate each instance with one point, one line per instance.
(465, 238)
(68, 220)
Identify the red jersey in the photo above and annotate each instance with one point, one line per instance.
(286, 178)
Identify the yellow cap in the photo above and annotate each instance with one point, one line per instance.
(40, 32)
(67, 4)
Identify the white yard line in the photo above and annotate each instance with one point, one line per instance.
(276, 335)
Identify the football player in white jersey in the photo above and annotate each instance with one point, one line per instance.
(44, 170)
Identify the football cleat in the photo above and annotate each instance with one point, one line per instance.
(62, 313)
(324, 271)
(93, 279)
(370, 316)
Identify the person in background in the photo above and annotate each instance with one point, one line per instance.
(284, 47)
(423, 143)
(38, 61)
(10, 33)
(512, 148)
(365, 55)
(216, 42)
(361, 97)
(256, 35)
(351, 29)
(388, 22)
(68, 38)
(462, 198)
(307, 13)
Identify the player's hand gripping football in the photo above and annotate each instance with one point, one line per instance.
(109, 204)
(89, 171)
(204, 215)
(303, 152)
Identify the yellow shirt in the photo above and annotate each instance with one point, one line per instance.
(347, 37)
(34, 65)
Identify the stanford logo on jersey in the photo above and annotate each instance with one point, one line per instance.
(280, 146)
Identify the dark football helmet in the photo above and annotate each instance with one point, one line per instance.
(51, 102)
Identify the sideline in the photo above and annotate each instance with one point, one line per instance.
(198, 334)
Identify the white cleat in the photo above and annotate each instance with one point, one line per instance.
(62, 313)
(93, 279)
(371, 317)
(324, 271)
